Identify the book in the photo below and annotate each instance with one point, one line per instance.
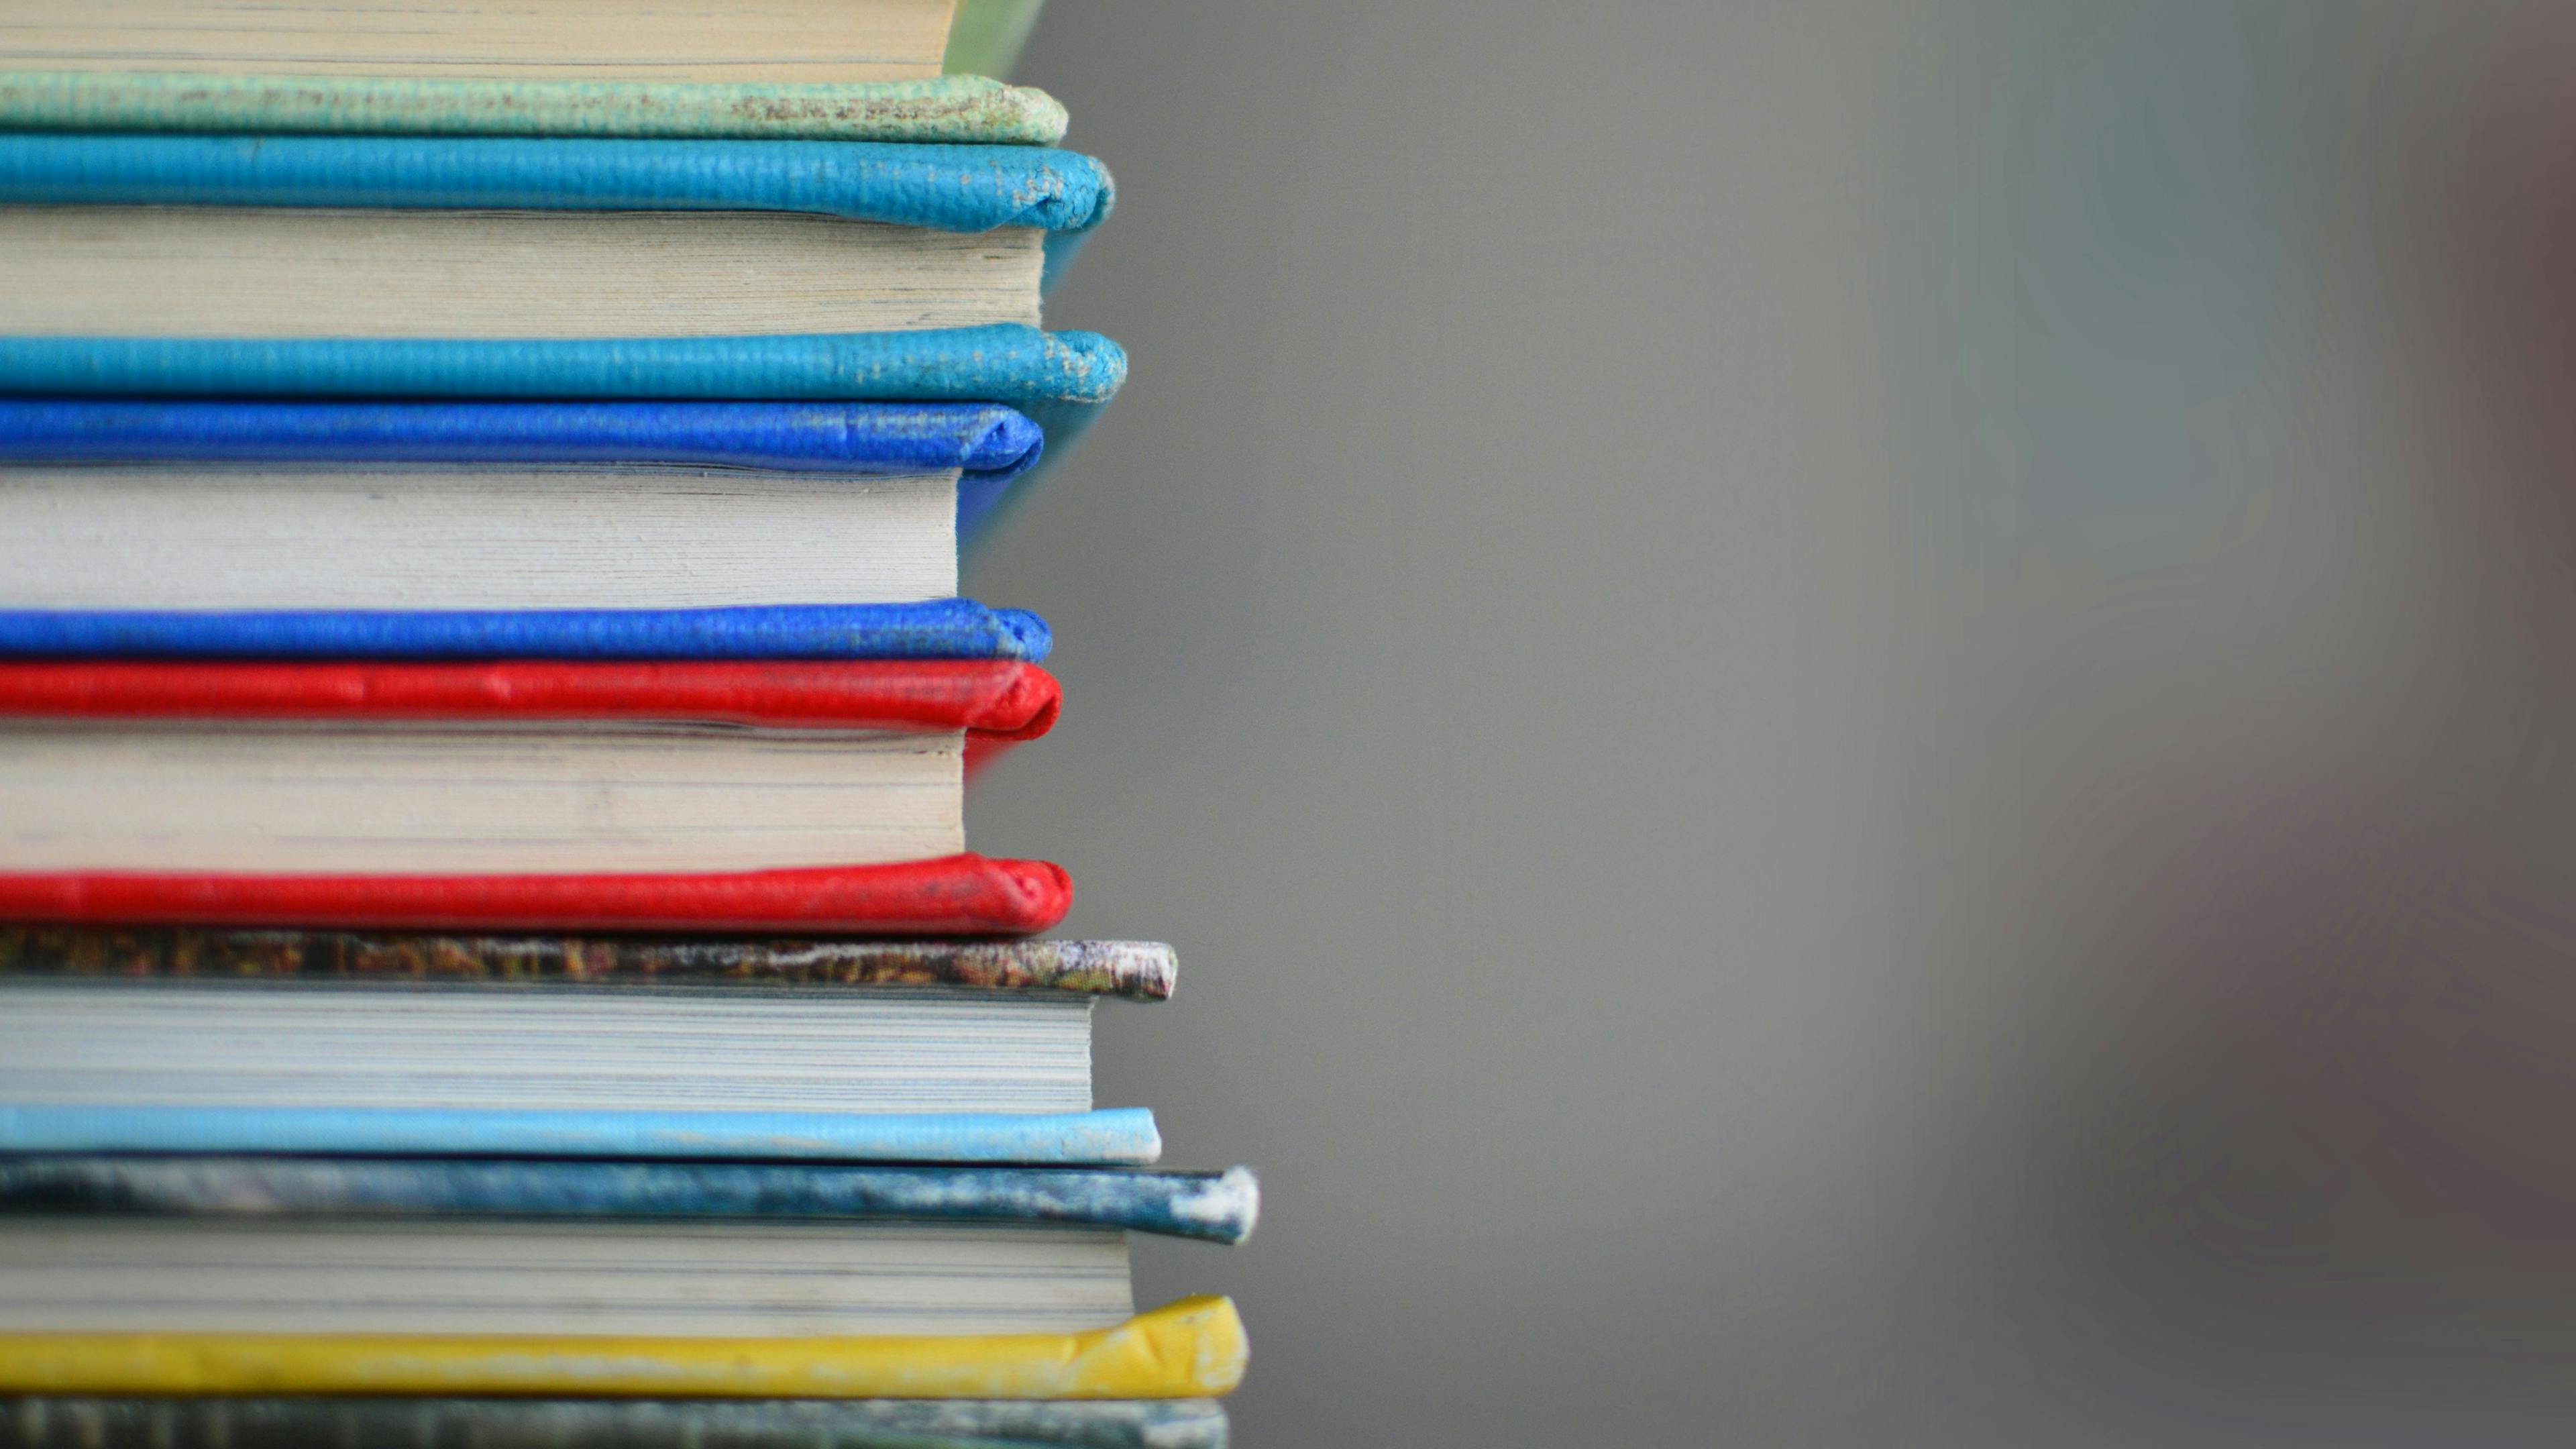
(1060, 380)
(70, 1422)
(1192, 1348)
(103, 1018)
(216, 1245)
(815, 40)
(821, 797)
(514, 237)
(140, 503)
(948, 110)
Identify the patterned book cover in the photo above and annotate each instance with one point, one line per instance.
(1133, 970)
(1216, 1207)
(54, 1422)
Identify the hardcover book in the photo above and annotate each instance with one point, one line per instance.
(522, 238)
(118, 1031)
(337, 1247)
(1060, 380)
(197, 504)
(819, 797)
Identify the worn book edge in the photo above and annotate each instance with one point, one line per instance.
(951, 109)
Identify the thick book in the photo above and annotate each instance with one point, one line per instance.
(515, 237)
(194, 504)
(73, 1422)
(1194, 1348)
(808, 40)
(513, 794)
(103, 1019)
(971, 110)
(1061, 380)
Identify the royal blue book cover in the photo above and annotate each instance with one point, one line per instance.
(935, 629)
(1118, 1136)
(1217, 1207)
(1059, 380)
(981, 438)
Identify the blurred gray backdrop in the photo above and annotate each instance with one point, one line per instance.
(1859, 719)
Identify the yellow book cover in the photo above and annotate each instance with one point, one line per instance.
(1190, 1349)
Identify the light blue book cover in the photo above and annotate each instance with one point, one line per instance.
(1117, 1136)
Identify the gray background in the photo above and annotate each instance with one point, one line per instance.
(1855, 716)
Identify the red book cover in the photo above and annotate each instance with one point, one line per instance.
(957, 895)
(995, 702)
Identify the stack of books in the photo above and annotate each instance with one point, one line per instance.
(488, 952)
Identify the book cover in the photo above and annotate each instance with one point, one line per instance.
(935, 629)
(1060, 380)
(73, 1422)
(1216, 1207)
(997, 703)
(1194, 1348)
(1114, 1136)
(990, 441)
(996, 698)
(1129, 970)
(964, 895)
(969, 110)
(943, 188)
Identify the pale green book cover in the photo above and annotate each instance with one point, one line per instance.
(954, 109)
